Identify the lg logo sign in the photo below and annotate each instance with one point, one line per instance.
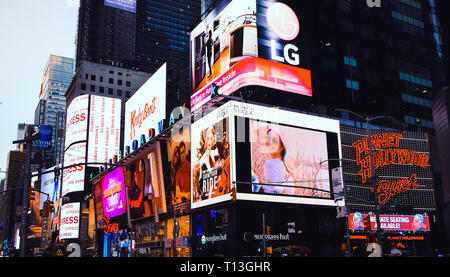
(283, 22)
(374, 3)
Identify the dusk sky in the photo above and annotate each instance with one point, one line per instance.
(30, 31)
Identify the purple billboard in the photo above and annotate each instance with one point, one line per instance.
(126, 5)
(113, 193)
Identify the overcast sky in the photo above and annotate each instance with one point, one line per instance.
(30, 30)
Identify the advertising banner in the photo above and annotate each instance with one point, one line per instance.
(104, 128)
(50, 186)
(70, 221)
(411, 223)
(147, 196)
(249, 42)
(179, 156)
(45, 142)
(76, 130)
(210, 158)
(126, 5)
(113, 193)
(146, 108)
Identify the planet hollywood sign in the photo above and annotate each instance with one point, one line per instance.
(386, 151)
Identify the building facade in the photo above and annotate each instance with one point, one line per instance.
(52, 105)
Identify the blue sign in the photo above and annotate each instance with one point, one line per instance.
(126, 5)
(45, 142)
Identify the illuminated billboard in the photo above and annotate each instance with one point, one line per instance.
(75, 149)
(49, 186)
(210, 157)
(179, 156)
(249, 43)
(407, 223)
(402, 165)
(69, 221)
(147, 196)
(104, 128)
(126, 5)
(146, 108)
(113, 193)
(265, 154)
(99, 144)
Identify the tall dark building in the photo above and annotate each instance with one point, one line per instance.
(443, 17)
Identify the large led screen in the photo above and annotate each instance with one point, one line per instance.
(49, 186)
(179, 156)
(70, 221)
(113, 193)
(146, 194)
(75, 145)
(210, 157)
(290, 158)
(283, 156)
(250, 43)
(104, 128)
(126, 5)
(146, 108)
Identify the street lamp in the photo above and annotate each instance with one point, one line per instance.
(373, 177)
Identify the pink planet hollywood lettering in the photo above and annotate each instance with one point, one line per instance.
(139, 116)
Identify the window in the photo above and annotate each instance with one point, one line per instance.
(93, 77)
(101, 79)
(92, 88)
(119, 73)
(119, 92)
(128, 83)
(352, 84)
(119, 82)
(111, 80)
(102, 89)
(128, 94)
(110, 91)
(83, 86)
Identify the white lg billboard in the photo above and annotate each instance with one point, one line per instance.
(146, 108)
(70, 221)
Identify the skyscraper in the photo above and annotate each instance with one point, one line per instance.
(52, 103)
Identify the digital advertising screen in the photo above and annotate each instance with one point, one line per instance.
(210, 157)
(69, 221)
(104, 128)
(45, 141)
(113, 193)
(126, 5)
(407, 223)
(179, 156)
(146, 108)
(250, 43)
(147, 196)
(50, 186)
(283, 156)
(75, 153)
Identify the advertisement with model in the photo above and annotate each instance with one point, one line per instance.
(244, 43)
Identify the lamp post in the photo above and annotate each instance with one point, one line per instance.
(373, 177)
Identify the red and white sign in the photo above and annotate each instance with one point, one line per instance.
(146, 108)
(283, 21)
(104, 129)
(70, 221)
(76, 130)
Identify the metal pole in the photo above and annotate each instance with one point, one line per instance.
(264, 234)
(373, 183)
(26, 184)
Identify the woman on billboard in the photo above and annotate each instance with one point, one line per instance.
(181, 174)
(211, 171)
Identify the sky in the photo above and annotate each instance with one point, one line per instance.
(30, 31)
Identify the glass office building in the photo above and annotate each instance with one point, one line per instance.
(52, 102)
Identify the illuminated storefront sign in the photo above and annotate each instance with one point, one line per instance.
(110, 227)
(412, 223)
(386, 147)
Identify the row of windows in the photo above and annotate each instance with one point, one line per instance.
(110, 80)
(415, 121)
(407, 19)
(417, 100)
(350, 61)
(92, 88)
(411, 3)
(352, 84)
(416, 80)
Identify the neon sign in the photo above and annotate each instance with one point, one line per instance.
(110, 227)
(386, 151)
